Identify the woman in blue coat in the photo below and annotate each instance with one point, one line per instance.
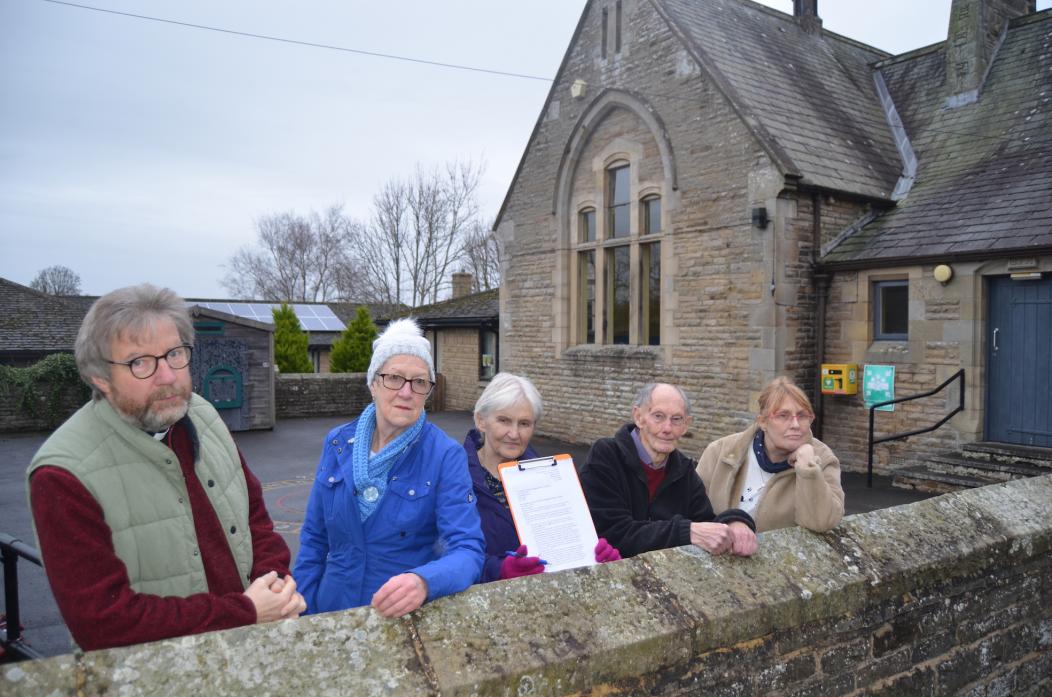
(391, 520)
(506, 415)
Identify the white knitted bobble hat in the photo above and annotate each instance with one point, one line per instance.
(401, 338)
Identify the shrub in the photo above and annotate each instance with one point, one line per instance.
(352, 351)
(290, 342)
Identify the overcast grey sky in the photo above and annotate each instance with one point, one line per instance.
(133, 150)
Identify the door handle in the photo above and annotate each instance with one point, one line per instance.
(996, 329)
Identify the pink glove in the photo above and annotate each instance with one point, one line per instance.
(605, 552)
(520, 565)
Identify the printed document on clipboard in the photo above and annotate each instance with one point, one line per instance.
(550, 512)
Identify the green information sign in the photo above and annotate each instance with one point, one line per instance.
(878, 385)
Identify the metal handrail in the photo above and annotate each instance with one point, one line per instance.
(11, 548)
(900, 436)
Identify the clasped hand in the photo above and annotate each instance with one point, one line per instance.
(275, 598)
(716, 538)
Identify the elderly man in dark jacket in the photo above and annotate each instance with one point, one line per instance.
(644, 493)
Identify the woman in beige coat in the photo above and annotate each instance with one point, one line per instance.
(776, 470)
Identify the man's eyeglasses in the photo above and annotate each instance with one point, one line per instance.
(393, 381)
(787, 417)
(676, 420)
(143, 367)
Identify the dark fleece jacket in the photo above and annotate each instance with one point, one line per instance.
(616, 488)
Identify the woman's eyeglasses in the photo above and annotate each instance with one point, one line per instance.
(393, 381)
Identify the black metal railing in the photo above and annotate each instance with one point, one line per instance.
(11, 549)
(899, 436)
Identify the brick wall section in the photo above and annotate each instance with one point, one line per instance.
(317, 394)
(458, 360)
(948, 596)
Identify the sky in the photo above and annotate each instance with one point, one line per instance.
(135, 150)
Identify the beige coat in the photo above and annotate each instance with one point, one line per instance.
(808, 494)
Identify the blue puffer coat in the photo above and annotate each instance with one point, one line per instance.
(426, 523)
(497, 525)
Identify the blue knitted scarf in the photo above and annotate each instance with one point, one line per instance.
(761, 456)
(370, 473)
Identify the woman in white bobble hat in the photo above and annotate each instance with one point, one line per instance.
(391, 521)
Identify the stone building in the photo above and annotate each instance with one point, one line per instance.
(716, 193)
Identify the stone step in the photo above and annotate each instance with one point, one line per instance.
(954, 462)
(921, 478)
(985, 451)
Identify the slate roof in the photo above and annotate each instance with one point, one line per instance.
(809, 98)
(35, 322)
(380, 313)
(466, 311)
(984, 179)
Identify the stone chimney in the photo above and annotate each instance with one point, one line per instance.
(976, 30)
(462, 281)
(806, 13)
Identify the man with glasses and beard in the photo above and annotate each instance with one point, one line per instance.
(644, 493)
(149, 522)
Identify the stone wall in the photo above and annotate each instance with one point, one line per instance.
(949, 596)
(41, 417)
(320, 394)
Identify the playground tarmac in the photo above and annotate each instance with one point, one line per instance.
(284, 460)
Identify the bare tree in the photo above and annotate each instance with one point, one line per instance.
(57, 280)
(417, 233)
(382, 244)
(297, 258)
(481, 257)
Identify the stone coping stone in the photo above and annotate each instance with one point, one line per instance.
(338, 653)
(794, 577)
(559, 633)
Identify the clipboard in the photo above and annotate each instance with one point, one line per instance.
(550, 511)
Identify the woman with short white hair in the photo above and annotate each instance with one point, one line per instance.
(506, 415)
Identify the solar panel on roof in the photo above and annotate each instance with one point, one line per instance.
(262, 310)
(332, 324)
(313, 318)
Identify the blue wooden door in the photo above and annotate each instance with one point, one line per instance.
(1019, 362)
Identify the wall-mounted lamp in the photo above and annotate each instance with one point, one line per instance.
(942, 273)
(578, 88)
(759, 217)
